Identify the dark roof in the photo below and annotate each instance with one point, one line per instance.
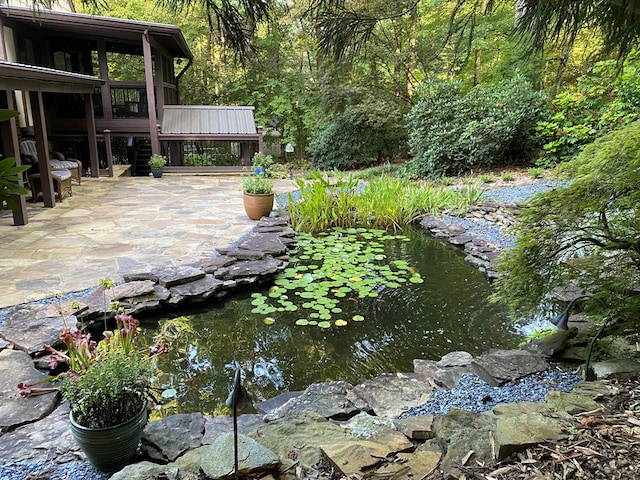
(208, 120)
(168, 36)
(17, 76)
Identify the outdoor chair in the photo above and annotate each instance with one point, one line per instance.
(29, 154)
(61, 184)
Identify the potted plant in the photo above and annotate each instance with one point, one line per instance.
(260, 162)
(157, 163)
(257, 196)
(107, 385)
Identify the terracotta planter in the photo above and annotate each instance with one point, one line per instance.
(258, 205)
(110, 449)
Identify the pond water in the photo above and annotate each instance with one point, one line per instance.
(448, 311)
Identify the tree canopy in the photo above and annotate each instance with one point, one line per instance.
(560, 20)
(583, 235)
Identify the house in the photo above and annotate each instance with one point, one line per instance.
(127, 74)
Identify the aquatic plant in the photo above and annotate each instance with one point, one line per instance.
(325, 270)
(384, 203)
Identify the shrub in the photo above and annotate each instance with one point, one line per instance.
(601, 101)
(359, 136)
(585, 235)
(451, 133)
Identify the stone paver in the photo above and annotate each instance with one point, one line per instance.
(117, 226)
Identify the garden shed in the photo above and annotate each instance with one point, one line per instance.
(206, 138)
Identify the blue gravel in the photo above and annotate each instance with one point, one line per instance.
(518, 194)
(474, 395)
(31, 470)
(491, 232)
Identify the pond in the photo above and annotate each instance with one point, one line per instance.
(440, 306)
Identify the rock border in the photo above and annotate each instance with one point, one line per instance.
(481, 251)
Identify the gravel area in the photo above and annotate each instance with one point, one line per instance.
(519, 193)
(33, 471)
(474, 395)
(491, 232)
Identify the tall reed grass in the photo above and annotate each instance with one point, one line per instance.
(385, 202)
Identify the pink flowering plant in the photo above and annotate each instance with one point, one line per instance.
(107, 382)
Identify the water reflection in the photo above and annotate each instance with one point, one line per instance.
(449, 311)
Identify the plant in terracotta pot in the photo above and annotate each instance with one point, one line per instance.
(107, 385)
(257, 196)
(157, 163)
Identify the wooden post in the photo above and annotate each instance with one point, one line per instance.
(9, 133)
(42, 147)
(151, 97)
(107, 146)
(91, 136)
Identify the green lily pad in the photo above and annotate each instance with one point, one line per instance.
(357, 318)
(302, 322)
(324, 324)
(269, 321)
(169, 393)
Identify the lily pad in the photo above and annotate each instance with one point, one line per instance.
(269, 321)
(340, 323)
(357, 318)
(324, 324)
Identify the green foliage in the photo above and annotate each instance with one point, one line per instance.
(110, 391)
(262, 160)
(257, 184)
(586, 234)
(538, 334)
(10, 174)
(157, 161)
(10, 177)
(600, 102)
(507, 177)
(383, 203)
(361, 135)
(451, 132)
(372, 172)
(536, 172)
(485, 178)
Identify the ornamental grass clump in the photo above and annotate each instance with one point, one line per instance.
(106, 382)
(384, 202)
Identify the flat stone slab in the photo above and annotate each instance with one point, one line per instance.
(200, 289)
(516, 433)
(186, 430)
(42, 441)
(171, 276)
(250, 268)
(390, 394)
(416, 428)
(298, 439)
(215, 426)
(500, 366)
(329, 400)
(254, 459)
(15, 367)
(32, 326)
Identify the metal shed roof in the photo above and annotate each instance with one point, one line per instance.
(208, 120)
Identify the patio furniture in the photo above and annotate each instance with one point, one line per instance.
(61, 184)
(29, 153)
